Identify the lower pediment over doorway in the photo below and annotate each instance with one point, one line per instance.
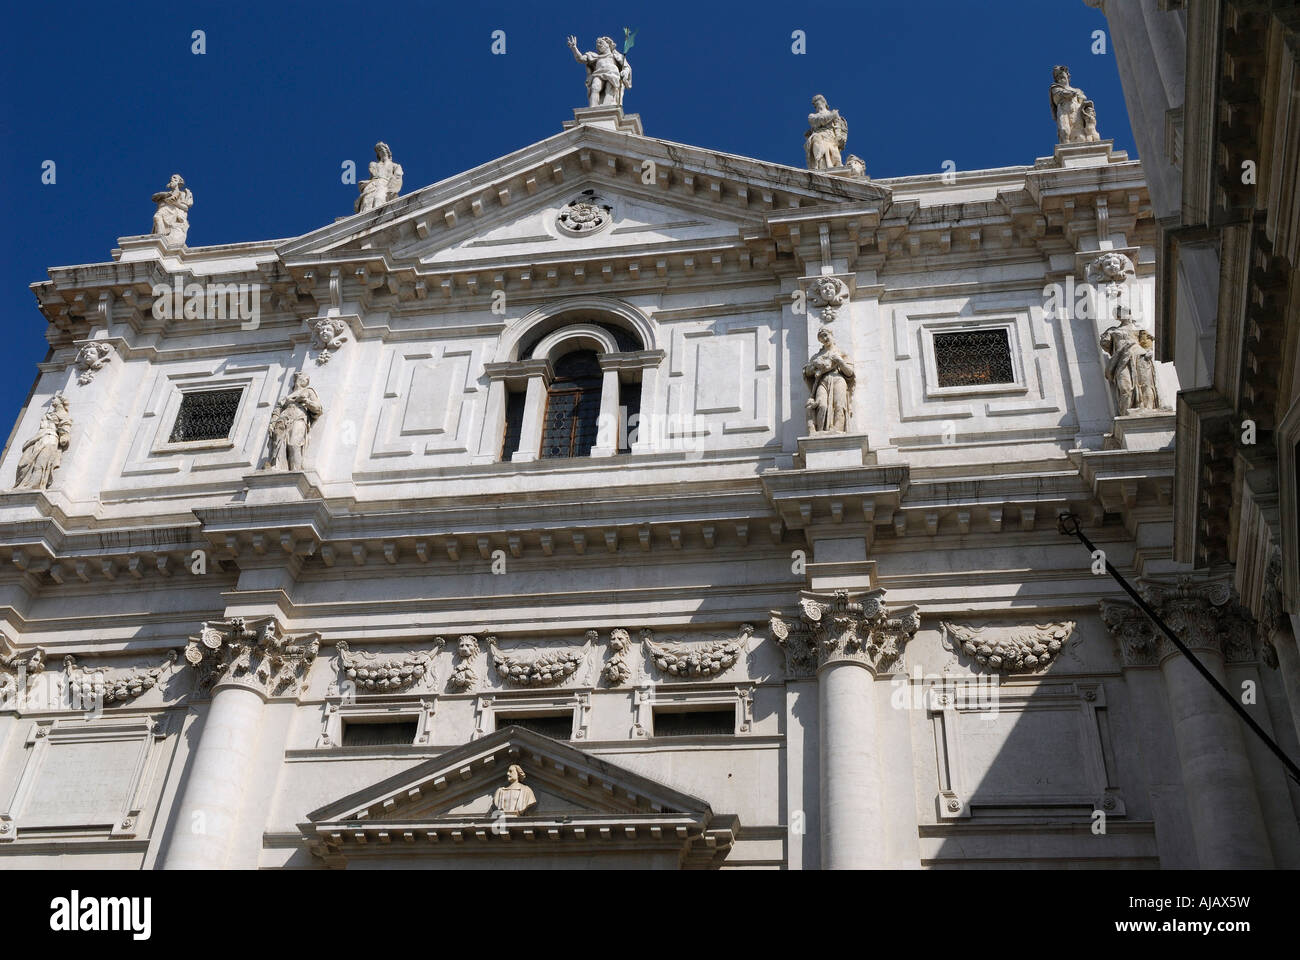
(590, 814)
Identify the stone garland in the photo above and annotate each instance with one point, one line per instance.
(376, 674)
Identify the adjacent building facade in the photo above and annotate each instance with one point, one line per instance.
(624, 503)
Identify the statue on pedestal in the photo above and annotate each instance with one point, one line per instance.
(171, 220)
(290, 424)
(1131, 365)
(829, 375)
(1075, 115)
(608, 72)
(514, 799)
(43, 453)
(825, 137)
(385, 181)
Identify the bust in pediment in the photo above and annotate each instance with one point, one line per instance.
(514, 799)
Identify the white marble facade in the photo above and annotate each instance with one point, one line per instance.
(245, 625)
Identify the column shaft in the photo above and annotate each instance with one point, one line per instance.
(851, 801)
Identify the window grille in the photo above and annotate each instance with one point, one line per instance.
(572, 406)
(973, 358)
(694, 723)
(205, 415)
(557, 727)
(361, 734)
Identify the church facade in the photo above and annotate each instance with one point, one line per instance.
(621, 503)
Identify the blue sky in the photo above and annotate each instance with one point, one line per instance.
(260, 124)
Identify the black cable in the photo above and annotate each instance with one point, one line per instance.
(1068, 524)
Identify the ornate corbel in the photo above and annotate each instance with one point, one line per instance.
(836, 628)
(253, 653)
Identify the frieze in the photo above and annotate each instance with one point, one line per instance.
(704, 658)
(379, 674)
(101, 686)
(1010, 648)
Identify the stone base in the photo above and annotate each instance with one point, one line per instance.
(1143, 431)
(847, 172)
(150, 246)
(276, 486)
(825, 451)
(611, 118)
(1095, 154)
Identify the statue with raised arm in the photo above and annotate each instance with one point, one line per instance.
(829, 375)
(171, 220)
(1130, 366)
(825, 137)
(43, 453)
(291, 423)
(385, 181)
(608, 72)
(1075, 115)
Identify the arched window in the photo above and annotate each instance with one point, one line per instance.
(572, 406)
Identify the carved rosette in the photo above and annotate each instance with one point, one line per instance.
(1010, 648)
(327, 335)
(90, 358)
(586, 214)
(706, 658)
(617, 670)
(463, 676)
(544, 669)
(375, 674)
(836, 628)
(251, 653)
(88, 687)
(1204, 614)
(828, 293)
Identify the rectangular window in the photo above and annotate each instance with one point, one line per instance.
(205, 415)
(713, 721)
(629, 395)
(359, 733)
(557, 726)
(973, 358)
(514, 425)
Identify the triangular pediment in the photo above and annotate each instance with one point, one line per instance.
(460, 783)
(582, 801)
(662, 192)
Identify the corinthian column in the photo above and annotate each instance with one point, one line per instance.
(244, 663)
(1227, 821)
(848, 642)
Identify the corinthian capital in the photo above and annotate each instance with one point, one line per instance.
(841, 627)
(252, 653)
(1204, 614)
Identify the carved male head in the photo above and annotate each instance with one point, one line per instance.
(1061, 74)
(515, 773)
(819, 103)
(605, 45)
(177, 182)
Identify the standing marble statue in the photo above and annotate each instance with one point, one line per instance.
(608, 72)
(1131, 365)
(171, 220)
(825, 137)
(43, 453)
(514, 799)
(291, 423)
(829, 375)
(385, 181)
(1075, 115)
